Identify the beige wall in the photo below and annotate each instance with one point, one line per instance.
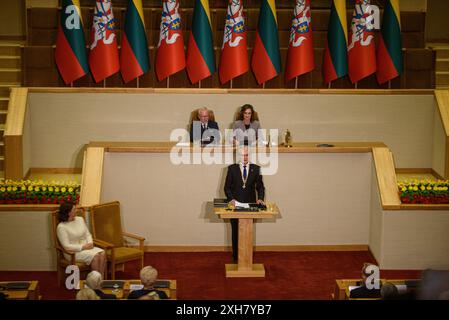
(61, 124)
(27, 141)
(324, 199)
(12, 18)
(375, 223)
(26, 241)
(415, 239)
(439, 143)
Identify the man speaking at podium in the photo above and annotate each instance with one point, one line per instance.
(242, 182)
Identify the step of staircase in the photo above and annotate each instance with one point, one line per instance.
(442, 65)
(442, 78)
(2, 163)
(442, 87)
(10, 49)
(10, 62)
(5, 88)
(4, 101)
(3, 114)
(442, 53)
(2, 148)
(10, 75)
(2, 131)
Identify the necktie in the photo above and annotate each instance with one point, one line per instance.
(244, 172)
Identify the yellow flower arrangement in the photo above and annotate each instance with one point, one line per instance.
(38, 191)
(424, 191)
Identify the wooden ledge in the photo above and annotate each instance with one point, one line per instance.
(28, 207)
(306, 147)
(232, 91)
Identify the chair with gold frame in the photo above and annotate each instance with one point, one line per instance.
(107, 226)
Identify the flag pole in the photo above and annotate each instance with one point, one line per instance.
(389, 84)
(263, 85)
(199, 84)
(168, 82)
(104, 83)
(138, 82)
(356, 85)
(231, 83)
(296, 82)
(329, 85)
(71, 84)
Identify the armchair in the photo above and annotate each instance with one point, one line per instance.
(107, 227)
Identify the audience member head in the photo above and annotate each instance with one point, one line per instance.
(389, 291)
(246, 113)
(67, 211)
(87, 294)
(148, 276)
(203, 115)
(93, 280)
(243, 154)
(444, 295)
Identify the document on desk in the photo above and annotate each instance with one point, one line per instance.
(353, 287)
(241, 205)
(133, 287)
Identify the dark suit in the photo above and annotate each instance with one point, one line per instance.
(364, 292)
(103, 295)
(197, 124)
(234, 190)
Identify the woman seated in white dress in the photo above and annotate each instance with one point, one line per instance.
(75, 238)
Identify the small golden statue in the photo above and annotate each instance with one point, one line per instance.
(288, 139)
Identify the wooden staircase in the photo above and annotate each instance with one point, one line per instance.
(442, 64)
(10, 76)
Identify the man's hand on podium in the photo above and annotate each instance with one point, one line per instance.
(260, 202)
(232, 203)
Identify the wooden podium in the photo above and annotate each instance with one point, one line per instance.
(245, 266)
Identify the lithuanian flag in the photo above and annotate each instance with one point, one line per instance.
(70, 54)
(266, 59)
(200, 50)
(134, 58)
(389, 52)
(335, 55)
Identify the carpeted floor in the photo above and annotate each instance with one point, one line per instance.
(201, 275)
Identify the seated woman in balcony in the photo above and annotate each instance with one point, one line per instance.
(246, 126)
(75, 237)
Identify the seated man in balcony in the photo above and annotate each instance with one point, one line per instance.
(204, 130)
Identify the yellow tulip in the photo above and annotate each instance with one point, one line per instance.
(36, 189)
(50, 189)
(2, 189)
(70, 189)
(30, 188)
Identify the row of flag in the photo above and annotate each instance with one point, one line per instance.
(357, 58)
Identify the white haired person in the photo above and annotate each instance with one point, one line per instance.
(87, 294)
(75, 237)
(94, 281)
(148, 276)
